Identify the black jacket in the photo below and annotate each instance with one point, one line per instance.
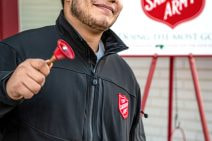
(81, 100)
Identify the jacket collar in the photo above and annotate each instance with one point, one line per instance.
(112, 43)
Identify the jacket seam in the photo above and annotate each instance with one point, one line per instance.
(99, 77)
(71, 70)
(42, 132)
(118, 86)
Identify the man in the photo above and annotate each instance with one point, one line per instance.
(94, 97)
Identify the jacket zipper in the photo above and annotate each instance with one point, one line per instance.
(92, 94)
(90, 129)
(92, 123)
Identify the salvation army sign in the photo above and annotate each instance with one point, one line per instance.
(172, 12)
(166, 27)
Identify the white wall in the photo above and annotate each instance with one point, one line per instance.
(37, 13)
(157, 103)
(44, 12)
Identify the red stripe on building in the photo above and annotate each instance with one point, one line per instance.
(9, 22)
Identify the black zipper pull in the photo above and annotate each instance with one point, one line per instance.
(95, 82)
(145, 114)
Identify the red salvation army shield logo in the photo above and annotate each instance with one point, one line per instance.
(172, 12)
(123, 105)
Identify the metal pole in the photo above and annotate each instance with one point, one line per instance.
(149, 81)
(170, 106)
(199, 97)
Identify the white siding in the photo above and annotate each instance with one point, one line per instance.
(157, 102)
(37, 13)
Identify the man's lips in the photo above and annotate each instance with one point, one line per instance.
(105, 6)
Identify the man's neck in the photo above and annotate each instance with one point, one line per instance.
(88, 34)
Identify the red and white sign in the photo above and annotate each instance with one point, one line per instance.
(123, 105)
(165, 27)
(172, 12)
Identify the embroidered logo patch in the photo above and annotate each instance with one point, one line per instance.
(123, 105)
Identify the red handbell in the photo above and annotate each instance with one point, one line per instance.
(62, 51)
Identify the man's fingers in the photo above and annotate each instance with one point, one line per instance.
(40, 65)
(36, 76)
(32, 85)
(27, 79)
(25, 92)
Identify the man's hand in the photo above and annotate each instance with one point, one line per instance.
(27, 79)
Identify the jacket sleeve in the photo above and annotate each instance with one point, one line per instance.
(137, 131)
(8, 62)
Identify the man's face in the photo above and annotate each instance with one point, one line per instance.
(97, 14)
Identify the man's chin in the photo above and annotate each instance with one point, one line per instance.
(101, 26)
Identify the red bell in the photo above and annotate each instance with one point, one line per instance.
(62, 51)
